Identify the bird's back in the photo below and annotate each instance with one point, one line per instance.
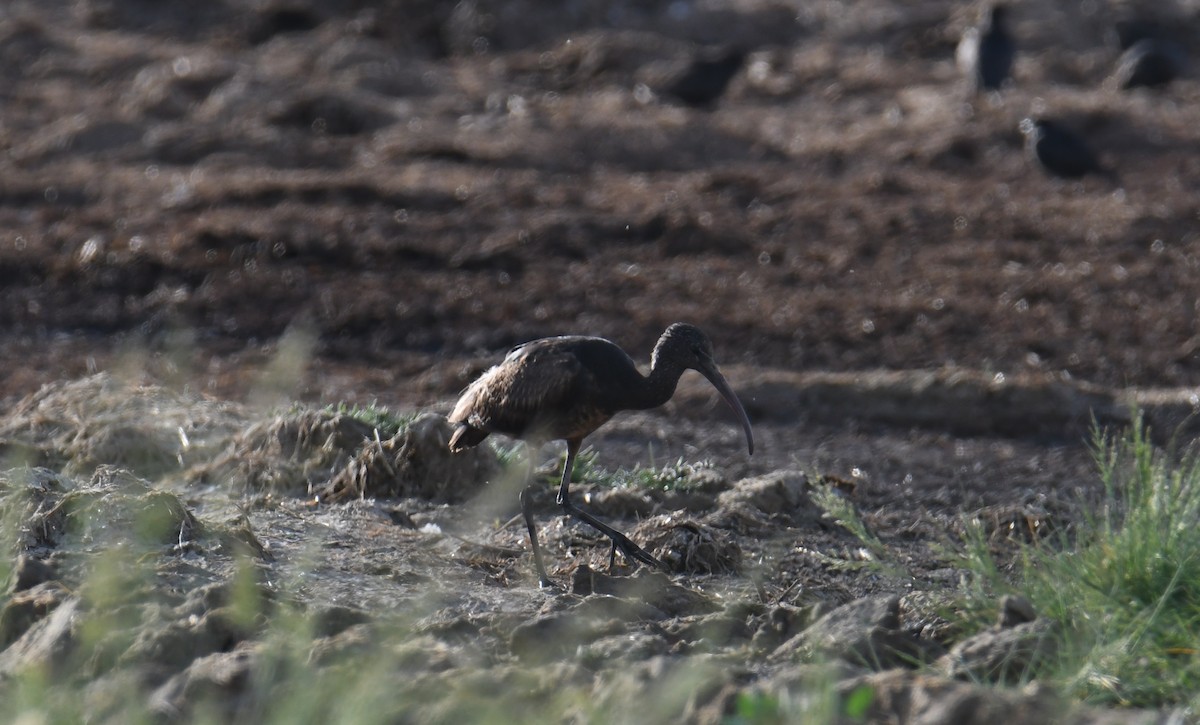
(1064, 153)
(705, 79)
(558, 387)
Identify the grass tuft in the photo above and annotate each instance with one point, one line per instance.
(384, 420)
(1124, 584)
(677, 476)
(874, 554)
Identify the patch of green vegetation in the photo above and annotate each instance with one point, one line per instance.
(386, 421)
(1124, 584)
(755, 708)
(509, 455)
(874, 554)
(677, 476)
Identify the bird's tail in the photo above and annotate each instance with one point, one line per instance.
(466, 436)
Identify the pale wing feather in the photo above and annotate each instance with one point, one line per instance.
(516, 394)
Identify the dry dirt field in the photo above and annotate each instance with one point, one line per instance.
(358, 202)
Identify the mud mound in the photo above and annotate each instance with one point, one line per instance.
(289, 453)
(689, 546)
(416, 462)
(105, 511)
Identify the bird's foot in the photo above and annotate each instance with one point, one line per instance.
(633, 552)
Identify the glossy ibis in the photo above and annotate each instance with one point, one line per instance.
(1060, 151)
(563, 388)
(1150, 62)
(986, 53)
(701, 81)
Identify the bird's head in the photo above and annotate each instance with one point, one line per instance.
(686, 344)
(688, 347)
(995, 14)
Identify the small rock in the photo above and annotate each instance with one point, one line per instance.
(359, 638)
(709, 632)
(1015, 609)
(780, 624)
(217, 680)
(651, 587)
(764, 502)
(26, 607)
(1003, 655)
(331, 619)
(904, 696)
(780, 492)
(28, 572)
(178, 643)
(865, 631)
(556, 635)
(622, 648)
(47, 643)
(606, 606)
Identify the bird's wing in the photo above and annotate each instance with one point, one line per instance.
(514, 395)
(543, 376)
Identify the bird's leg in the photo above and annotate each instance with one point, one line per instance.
(527, 510)
(619, 540)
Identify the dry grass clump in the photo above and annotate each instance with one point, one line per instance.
(415, 462)
(48, 509)
(690, 546)
(79, 425)
(291, 453)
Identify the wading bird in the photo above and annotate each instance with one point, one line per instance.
(1150, 62)
(563, 388)
(986, 53)
(700, 81)
(1060, 151)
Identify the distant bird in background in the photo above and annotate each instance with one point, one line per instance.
(1060, 151)
(1150, 62)
(1128, 30)
(563, 388)
(985, 54)
(701, 81)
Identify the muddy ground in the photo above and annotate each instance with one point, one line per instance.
(370, 202)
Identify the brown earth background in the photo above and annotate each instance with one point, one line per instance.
(401, 191)
(371, 201)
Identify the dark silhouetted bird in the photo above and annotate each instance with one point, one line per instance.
(563, 388)
(1128, 30)
(1060, 151)
(986, 53)
(1152, 62)
(701, 81)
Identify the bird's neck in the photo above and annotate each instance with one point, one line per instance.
(660, 384)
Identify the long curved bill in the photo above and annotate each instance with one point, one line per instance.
(715, 377)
